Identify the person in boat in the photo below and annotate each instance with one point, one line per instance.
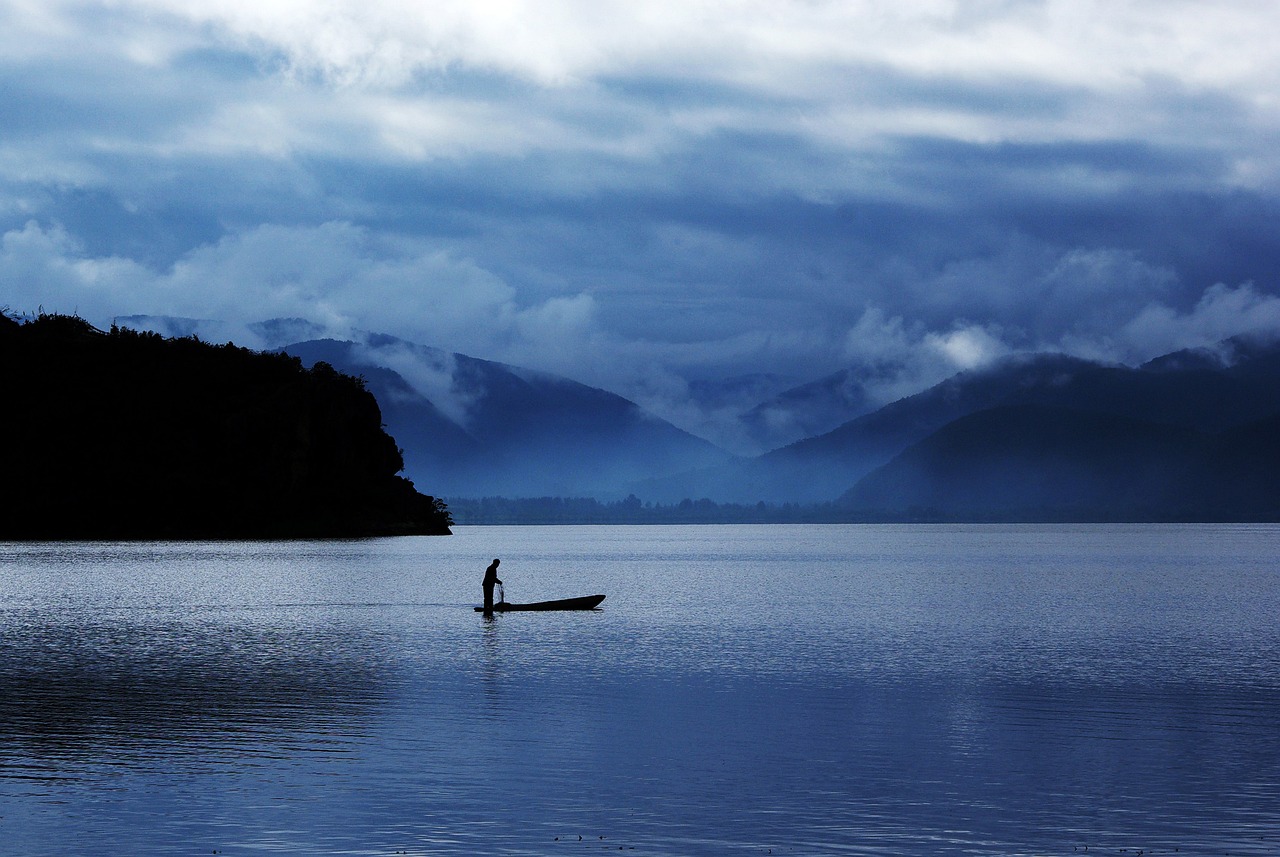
(490, 580)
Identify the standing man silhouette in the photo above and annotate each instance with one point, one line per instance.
(490, 578)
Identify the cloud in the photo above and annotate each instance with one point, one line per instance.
(900, 357)
(966, 346)
(1221, 313)
(430, 372)
(1088, 292)
(46, 268)
(423, 80)
(557, 41)
(338, 275)
(335, 275)
(897, 358)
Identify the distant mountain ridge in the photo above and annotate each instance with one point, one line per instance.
(474, 428)
(808, 409)
(821, 468)
(510, 431)
(1193, 436)
(1204, 389)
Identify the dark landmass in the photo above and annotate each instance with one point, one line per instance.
(1040, 463)
(131, 435)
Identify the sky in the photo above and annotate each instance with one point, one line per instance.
(643, 196)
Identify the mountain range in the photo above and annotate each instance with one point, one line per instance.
(1192, 435)
(1207, 390)
(1030, 436)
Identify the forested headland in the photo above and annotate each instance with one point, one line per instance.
(123, 434)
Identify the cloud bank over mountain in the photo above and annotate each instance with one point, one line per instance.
(649, 197)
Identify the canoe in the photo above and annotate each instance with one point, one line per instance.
(585, 602)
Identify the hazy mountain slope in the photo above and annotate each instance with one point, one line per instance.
(1245, 472)
(807, 410)
(822, 468)
(475, 427)
(1031, 462)
(1036, 461)
(401, 404)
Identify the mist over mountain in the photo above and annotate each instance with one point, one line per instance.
(1192, 435)
(471, 428)
(1236, 383)
(739, 392)
(474, 427)
(823, 467)
(809, 409)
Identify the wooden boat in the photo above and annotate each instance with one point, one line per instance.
(584, 602)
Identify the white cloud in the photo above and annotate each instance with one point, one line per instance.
(1081, 42)
(1090, 291)
(366, 75)
(1037, 293)
(47, 268)
(901, 358)
(431, 373)
(559, 334)
(1221, 313)
(910, 357)
(608, 190)
(967, 346)
(879, 338)
(337, 275)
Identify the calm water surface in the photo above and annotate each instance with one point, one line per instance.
(786, 690)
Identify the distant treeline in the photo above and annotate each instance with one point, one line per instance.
(632, 510)
(126, 434)
(586, 510)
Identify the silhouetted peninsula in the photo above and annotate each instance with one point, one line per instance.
(130, 435)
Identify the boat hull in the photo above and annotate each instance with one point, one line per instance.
(584, 602)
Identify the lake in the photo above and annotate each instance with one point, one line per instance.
(888, 690)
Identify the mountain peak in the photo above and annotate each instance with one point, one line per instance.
(472, 427)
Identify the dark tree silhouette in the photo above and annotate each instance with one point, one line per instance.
(126, 434)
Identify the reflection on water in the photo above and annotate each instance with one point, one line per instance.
(800, 690)
(76, 696)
